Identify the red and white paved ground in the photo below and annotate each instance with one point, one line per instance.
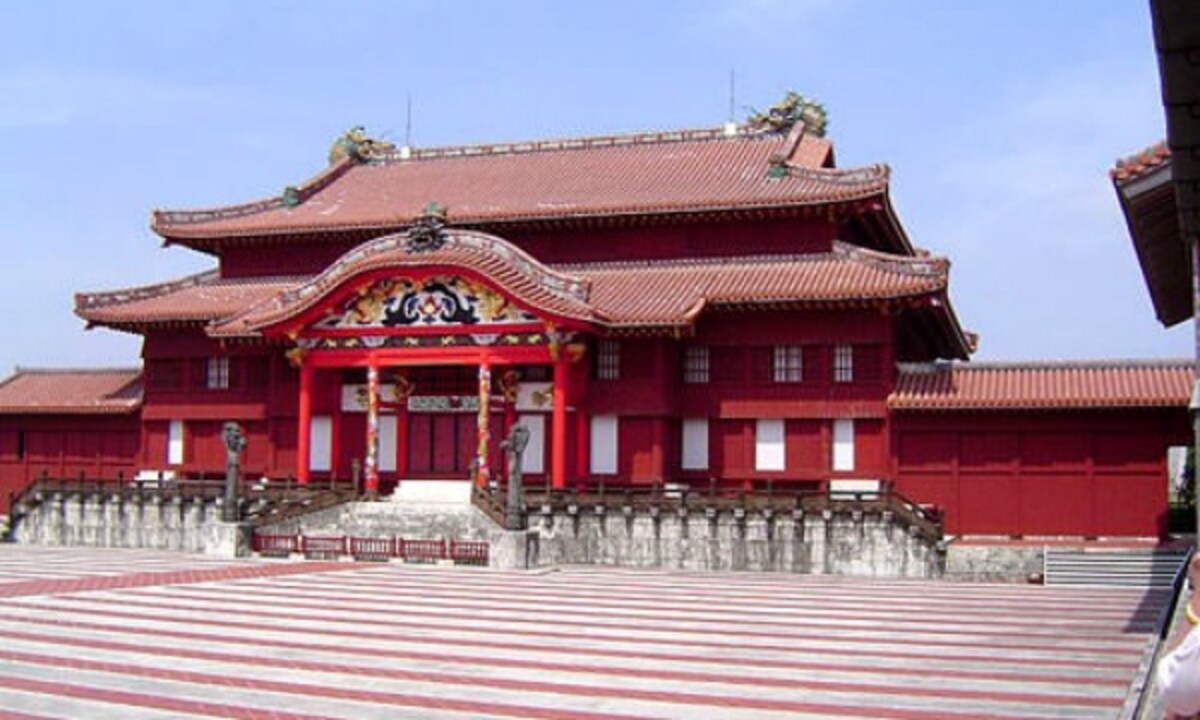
(124, 634)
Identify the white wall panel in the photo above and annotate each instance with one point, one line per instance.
(603, 460)
(320, 449)
(695, 444)
(769, 445)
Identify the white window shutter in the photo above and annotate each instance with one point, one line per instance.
(387, 443)
(695, 444)
(603, 460)
(320, 448)
(175, 443)
(533, 460)
(843, 445)
(769, 445)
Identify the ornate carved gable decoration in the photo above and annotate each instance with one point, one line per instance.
(436, 301)
(355, 144)
(793, 108)
(428, 232)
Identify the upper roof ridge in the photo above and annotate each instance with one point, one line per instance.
(580, 142)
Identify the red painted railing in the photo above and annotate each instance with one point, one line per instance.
(423, 550)
(377, 549)
(322, 546)
(373, 548)
(275, 545)
(469, 553)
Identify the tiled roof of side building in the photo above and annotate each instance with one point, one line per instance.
(198, 298)
(73, 391)
(1141, 163)
(654, 173)
(1043, 385)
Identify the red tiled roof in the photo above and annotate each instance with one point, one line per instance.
(673, 292)
(72, 391)
(623, 294)
(617, 294)
(683, 171)
(194, 299)
(1141, 163)
(1043, 385)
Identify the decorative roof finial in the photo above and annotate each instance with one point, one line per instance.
(427, 233)
(794, 108)
(355, 144)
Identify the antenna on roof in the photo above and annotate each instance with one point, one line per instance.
(408, 120)
(730, 123)
(406, 149)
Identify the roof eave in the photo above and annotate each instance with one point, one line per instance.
(203, 240)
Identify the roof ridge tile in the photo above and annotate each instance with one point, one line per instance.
(105, 298)
(26, 370)
(572, 142)
(1080, 364)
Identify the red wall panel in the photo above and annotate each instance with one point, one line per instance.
(640, 448)
(1056, 504)
(1130, 505)
(988, 450)
(989, 504)
(1073, 472)
(806, 449)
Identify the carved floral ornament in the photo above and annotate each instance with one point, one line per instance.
(430, 302)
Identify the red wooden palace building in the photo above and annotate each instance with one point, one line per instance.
(658, 308)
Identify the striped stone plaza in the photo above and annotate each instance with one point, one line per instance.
(131, 634)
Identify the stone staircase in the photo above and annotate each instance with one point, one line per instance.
(458, 521)
(1149, 568)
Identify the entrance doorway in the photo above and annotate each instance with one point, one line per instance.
(441, 443)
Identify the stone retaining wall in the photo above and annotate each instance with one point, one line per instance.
(112, 520)
(821, 544)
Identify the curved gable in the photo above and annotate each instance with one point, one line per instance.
(469, 280)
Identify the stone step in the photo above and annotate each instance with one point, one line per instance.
(1141, 568)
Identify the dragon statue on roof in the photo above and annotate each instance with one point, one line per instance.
(355, 144)
(793, 108)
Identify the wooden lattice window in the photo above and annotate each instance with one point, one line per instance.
(608, 360)
(218, 373)
(843, 363)
(696, 364)
(788, 364)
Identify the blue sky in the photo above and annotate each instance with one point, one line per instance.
(999, 120)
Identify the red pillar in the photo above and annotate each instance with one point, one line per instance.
(401, 424)
(335, 442)
(304, 432)
(482, 420)
(558, 422)
(371, 479)
(581, 443)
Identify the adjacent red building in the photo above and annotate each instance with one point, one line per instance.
(658, 308)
